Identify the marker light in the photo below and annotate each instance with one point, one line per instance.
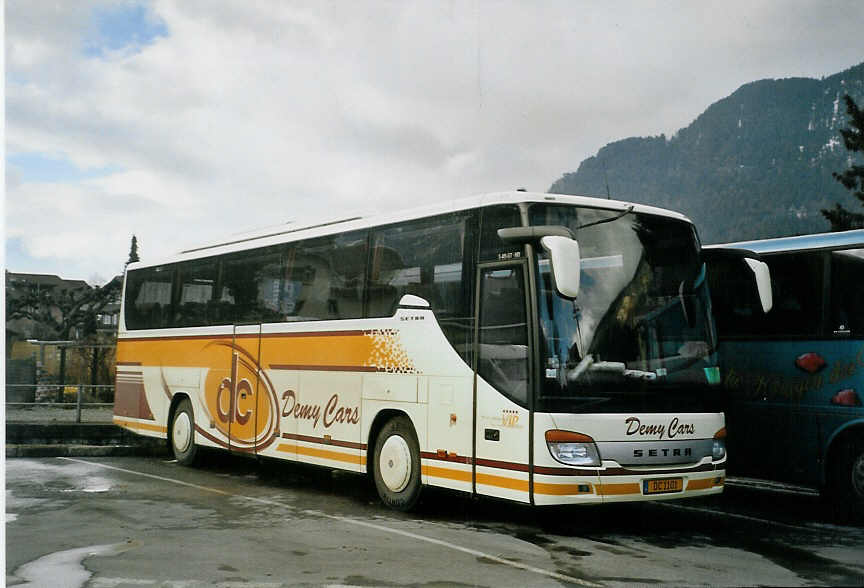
(718, 449)
(846, 397)
(572, 448)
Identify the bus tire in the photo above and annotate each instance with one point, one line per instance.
(396, 465)
(847, 480)
(182, 434)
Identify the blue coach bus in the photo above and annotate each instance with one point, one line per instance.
(794, 376)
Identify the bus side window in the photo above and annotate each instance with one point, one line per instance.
(195, 305)
(423, 258)
(348, 267)
(735, 306)
(148, 298)
(326, 278)
(847, 293)
(796, 280)
(250, 286)
(427, 258)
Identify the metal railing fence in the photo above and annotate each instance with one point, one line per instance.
(82, 398)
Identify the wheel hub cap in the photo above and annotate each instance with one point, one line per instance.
(395, 463)
(181, 432)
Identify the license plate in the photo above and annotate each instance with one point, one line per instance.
(662, 486)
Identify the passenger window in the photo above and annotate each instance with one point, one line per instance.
(250, 287)
(796, 281)
(847, 293)
(423, 258)
(324, 278)
(736, 307)
(426, 258)
(195, 307)
(148, 298)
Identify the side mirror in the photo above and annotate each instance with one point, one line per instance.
(763, 282)
(566, 264)
(761, 273)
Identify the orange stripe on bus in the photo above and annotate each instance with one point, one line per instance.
(618, 489)
(322, 453)
(562, 489)
(701, 484)
(140, 426)
(446, 473)
(334, 351)
(502, 482)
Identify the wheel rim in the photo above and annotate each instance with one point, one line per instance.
(181, 432)
(394, 463)
(858, 475)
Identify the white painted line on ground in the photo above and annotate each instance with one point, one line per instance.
(770, 486)
(732, 515)
(350, 521)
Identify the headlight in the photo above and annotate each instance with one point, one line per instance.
(718, 449)
(573, 448)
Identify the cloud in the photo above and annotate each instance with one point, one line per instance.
(211, 117)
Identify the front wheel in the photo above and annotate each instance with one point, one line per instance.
(396, 465)
(182, 434)
(847, 481)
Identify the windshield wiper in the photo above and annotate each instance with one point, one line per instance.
(610, 367)
(607, 220)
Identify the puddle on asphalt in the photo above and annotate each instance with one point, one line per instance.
(94, 485)
(65, 569)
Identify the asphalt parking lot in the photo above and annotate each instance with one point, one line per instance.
(139, 521)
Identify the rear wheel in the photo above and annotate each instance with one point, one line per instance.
(182, 434)
(846, 492)
(396, 466)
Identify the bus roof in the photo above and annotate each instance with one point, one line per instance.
(289, 232)
(838, 240)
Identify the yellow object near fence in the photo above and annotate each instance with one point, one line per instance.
(70, 393)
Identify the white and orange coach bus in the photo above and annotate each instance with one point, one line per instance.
(541, 348)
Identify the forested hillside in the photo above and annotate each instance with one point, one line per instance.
(755, 164)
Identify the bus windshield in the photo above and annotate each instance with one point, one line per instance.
(641, 327)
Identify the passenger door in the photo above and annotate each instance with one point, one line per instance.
(502, 383)
(243, 421)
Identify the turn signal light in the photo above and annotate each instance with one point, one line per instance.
(556, 436)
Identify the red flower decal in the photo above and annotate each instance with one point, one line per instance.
(810, 362)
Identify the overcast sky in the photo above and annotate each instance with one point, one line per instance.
(185, 122)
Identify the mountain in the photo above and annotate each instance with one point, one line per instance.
(756, 164)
